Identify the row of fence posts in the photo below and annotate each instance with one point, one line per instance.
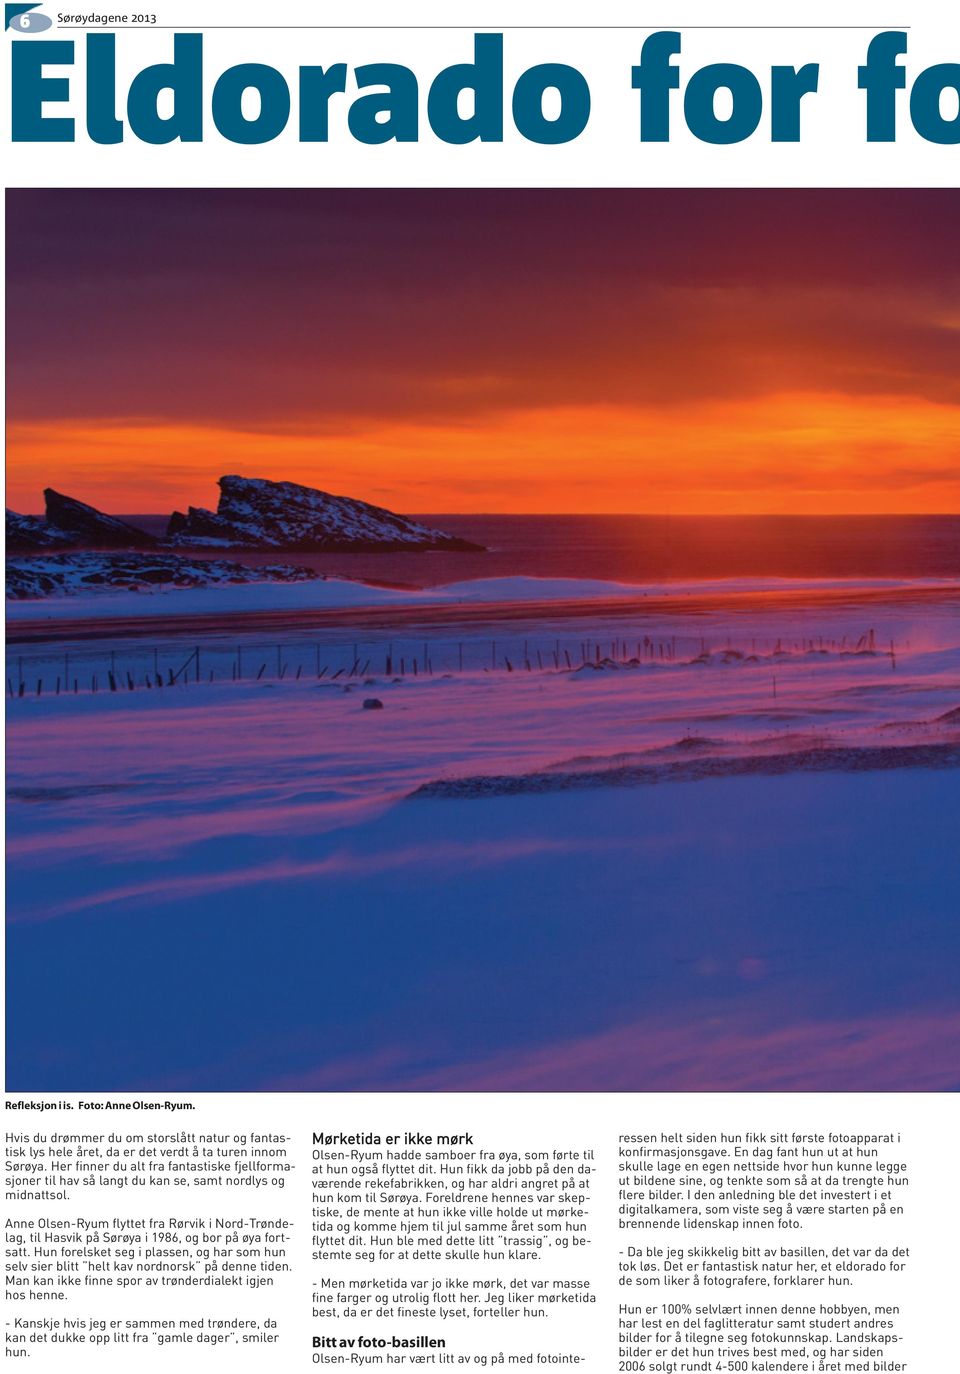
(394, 665)
(591, 652)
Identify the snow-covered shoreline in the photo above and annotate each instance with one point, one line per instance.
(320, 594)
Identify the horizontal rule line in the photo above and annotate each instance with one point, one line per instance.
(482, 28)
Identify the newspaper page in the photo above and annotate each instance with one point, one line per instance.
(483, 687)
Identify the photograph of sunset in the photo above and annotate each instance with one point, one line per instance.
(483, 640)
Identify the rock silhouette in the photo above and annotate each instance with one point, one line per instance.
(254, 513)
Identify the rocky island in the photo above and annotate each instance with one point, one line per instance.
(254, 513)
(71, 524)
(75, 548)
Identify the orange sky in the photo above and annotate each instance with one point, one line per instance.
(793, 454)
(737, 352)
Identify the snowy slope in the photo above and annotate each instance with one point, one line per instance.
(265, 589)
(669, 898)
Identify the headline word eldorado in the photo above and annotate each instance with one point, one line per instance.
(250, 103)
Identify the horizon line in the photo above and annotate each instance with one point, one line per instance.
(641, 514)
